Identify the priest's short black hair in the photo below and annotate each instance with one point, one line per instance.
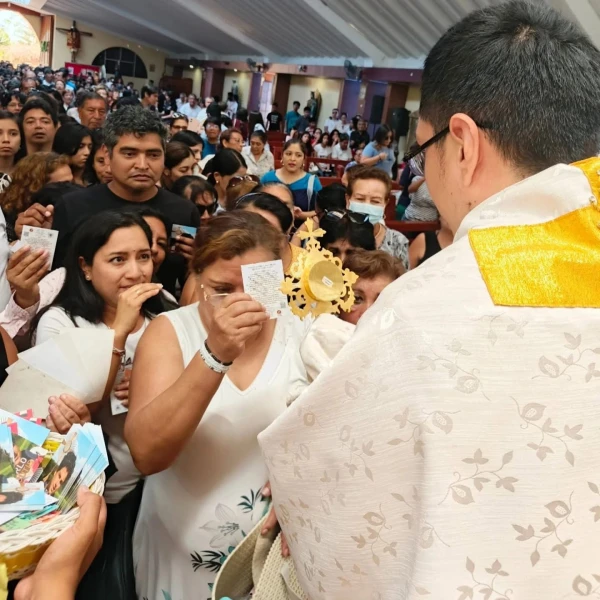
(528, 72)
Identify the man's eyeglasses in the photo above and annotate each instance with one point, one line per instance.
(239, 179)
(354, 217)
(416, 158)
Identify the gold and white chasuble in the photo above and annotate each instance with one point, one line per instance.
(452, 449)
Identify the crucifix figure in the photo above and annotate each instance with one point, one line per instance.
(74, 39)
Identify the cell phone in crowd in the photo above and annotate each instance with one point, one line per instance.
(183, 231)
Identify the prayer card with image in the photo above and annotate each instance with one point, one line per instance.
(263, 282)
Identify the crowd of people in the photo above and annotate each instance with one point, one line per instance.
(412, 443)
(101, 165)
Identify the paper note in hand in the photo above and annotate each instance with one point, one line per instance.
(263, 282)
(40, 239)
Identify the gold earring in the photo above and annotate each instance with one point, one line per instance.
(204, 292)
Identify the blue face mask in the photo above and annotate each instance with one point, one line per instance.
(375, 213)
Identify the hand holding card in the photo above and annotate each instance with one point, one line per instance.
(38, 238)
(236, 319)
(263, 282)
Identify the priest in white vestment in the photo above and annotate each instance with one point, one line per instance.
(452, 449)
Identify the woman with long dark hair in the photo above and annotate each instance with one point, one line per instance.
(179, 162)
(379, 153)
(304, 186)
(226, 163)
(108, 285)
(75, 141)
(10, 143)
(97, 168)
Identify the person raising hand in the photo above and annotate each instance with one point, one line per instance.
(207, 379)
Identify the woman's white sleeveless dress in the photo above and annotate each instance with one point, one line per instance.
(193, 514)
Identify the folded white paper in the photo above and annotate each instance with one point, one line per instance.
(76, 362)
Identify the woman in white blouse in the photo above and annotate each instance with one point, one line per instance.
(258, 158)
(324, 149)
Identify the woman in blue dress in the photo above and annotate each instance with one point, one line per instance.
(303, 186)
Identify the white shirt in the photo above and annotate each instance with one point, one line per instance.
(344, 128)
(332, 124)
(232, 108)
(261, 165)
(340, 154)
(323, 151)
(188, 111)
(196, 506)
(74, 113)
(127, 476)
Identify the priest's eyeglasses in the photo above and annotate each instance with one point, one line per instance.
(416, 158)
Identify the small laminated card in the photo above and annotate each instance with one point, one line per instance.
(263, 282)
(183, 231)
(40, 239)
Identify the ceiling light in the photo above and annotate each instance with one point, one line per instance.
(191, 66)
(235, 70)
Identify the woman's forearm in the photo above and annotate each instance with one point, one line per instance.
(158, 432)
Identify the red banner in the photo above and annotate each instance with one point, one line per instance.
(76, 69)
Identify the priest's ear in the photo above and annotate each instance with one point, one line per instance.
(466, 142)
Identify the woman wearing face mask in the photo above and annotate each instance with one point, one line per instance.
(226, 164)
(108, 285)
(75, 141)
(179, 162)
(205, 375)
(368, 194)
(292, 173)
(260, 160)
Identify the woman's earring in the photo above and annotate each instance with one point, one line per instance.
(88, 277)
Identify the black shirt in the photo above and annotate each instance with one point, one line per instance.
(274, 120)
(302, 124)
(359, 137)
(73, 209)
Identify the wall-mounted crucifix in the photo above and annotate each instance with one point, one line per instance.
(74, 39)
